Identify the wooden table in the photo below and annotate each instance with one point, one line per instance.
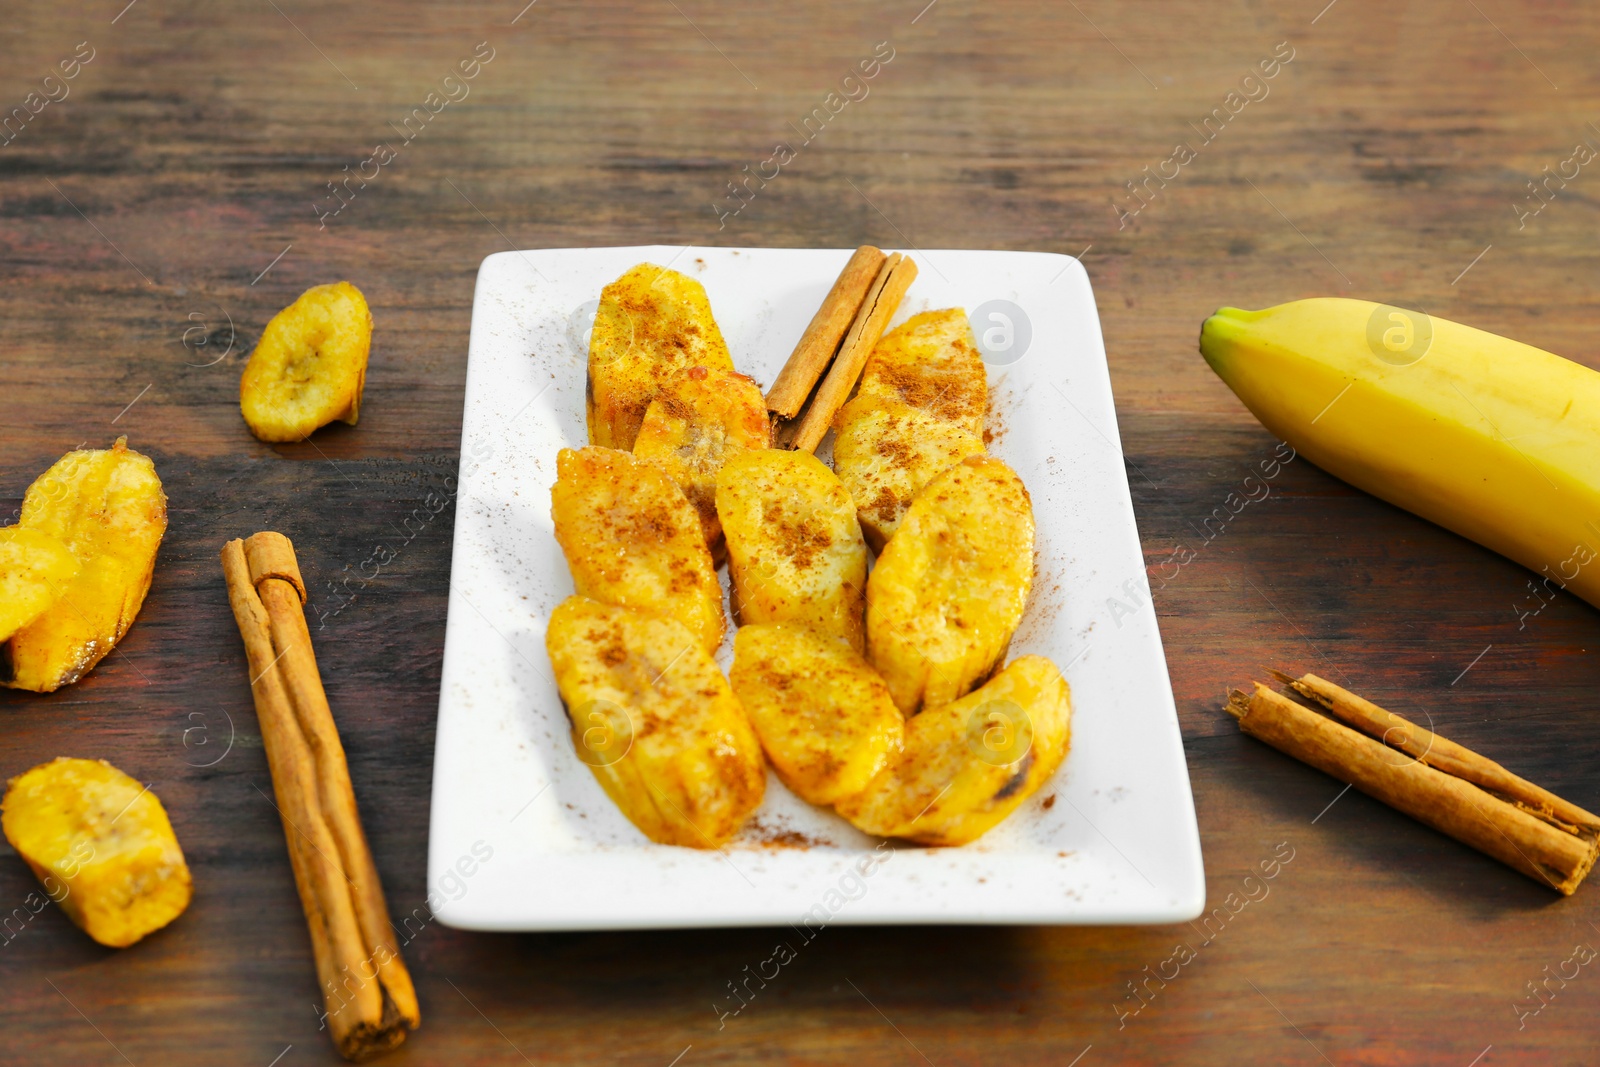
(160, 213)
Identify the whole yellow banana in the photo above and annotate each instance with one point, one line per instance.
(1494, 439)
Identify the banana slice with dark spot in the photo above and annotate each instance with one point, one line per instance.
(969, 764)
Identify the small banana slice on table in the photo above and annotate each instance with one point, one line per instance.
(795, 552)
(695, 424)
(108, 508)
(824, 716)
(101, 844)
(951, 585)
(970, 763)
(310, 366)
(655, 720)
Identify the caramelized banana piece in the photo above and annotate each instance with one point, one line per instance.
(102, 846)
(697, 421)
(794, 548)
(310, 365)
(34, 571)
(931, 363)
(652, 324)
(631, 538)
(107, 507)
(949, 589)
(886, 452)
(824, 716)
(969, 763)
(654, 719)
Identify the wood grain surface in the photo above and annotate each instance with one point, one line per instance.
(153, 219)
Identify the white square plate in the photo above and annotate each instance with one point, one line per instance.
(522, 836)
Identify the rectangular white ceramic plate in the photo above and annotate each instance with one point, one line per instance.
(522, 837)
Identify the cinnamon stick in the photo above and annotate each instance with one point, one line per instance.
(821, 339)
(888, 289)
(367, 991)
(1550, 849)
(1440, 752)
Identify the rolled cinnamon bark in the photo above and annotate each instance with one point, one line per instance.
(1441, 753)
(367, 991)
(888, 289)
(1547, 849)
(821, 339)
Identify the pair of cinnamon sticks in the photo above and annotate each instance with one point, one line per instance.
(1434, 780)
(367, 991)
(839, 339)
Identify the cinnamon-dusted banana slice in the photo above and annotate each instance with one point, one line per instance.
(931, 363)
(310, 365)
(694, 425)
(107, 507)
(795, 552)
(950, 587)
(656, 722)
(34, 571)
(824, 717)
(970, 763)
(631, 538)
(101, 844)
(652, 324)
(886, 452)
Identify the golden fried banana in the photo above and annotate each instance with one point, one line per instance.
(950, 587)
(930, 362)
(107, 507)
(697, 421)
(310, 365)
(969, 763)
(34, 571)
(631, 538)
(824, 717)
(885, 452)
(102, 846)
(652, 324)
(795, 552)
(656, 722)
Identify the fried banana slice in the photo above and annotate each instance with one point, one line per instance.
(886, 452)
(107, 507)
(969, 763)
(697, 421)
(652, 324)
(34, 571)
(310, 365)
(654, 719)
(931, 363)
(102, 846)
(795, 552)
(631, 538)
(824, 717)
(950, 587)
